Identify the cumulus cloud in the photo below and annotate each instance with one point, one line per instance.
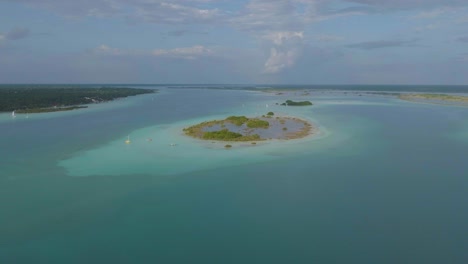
(279, 25)
(371, 45)
(287, 46)
(280, 60)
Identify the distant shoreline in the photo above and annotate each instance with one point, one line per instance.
(436, 99)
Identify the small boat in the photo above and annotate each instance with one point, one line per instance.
(13, 115)
(173, 144)
(128, 140)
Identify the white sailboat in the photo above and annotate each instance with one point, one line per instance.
(128, 140)
(13, 115)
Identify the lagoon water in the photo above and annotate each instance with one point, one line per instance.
(384, 181)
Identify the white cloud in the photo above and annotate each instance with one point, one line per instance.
(189, 53)
(328, 38)
(171, 13)
(432, 14)
(153, 11)
(274, 15)
(383, 5)
(287, 46)
(281, 37)
(106, 50)
(280, 25)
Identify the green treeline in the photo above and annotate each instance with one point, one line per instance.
(48, 110)
(292, 103)
(237, 120)
(22, 98)
(250, 122)
(221, 135)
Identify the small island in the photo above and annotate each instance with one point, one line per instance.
(435, 98)
(31, 99)
(242, 129)
(293, 103)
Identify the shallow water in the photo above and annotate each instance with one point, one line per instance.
(383, 182)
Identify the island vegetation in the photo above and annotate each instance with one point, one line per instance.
(257, 123)
(227, 135)
(33, 99)
(293, 103)
(237, 120)
(242, 128)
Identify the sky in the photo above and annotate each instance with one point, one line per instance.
(234, 42)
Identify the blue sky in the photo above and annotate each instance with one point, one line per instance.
(224, 41)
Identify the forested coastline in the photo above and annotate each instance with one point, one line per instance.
(32, 99)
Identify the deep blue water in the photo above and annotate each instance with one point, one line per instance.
(385, 182)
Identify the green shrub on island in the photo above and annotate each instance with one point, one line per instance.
(270, 114)
(257, 123)
(237, 120)
(223, 134)
(292, 103)
(226, 135)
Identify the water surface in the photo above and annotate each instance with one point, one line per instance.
(384, 182)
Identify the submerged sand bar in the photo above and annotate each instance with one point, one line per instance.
(242, 129)
(435, 98)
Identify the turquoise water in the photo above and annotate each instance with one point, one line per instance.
(383, 181)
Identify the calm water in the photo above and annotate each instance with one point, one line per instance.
(385, 181)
